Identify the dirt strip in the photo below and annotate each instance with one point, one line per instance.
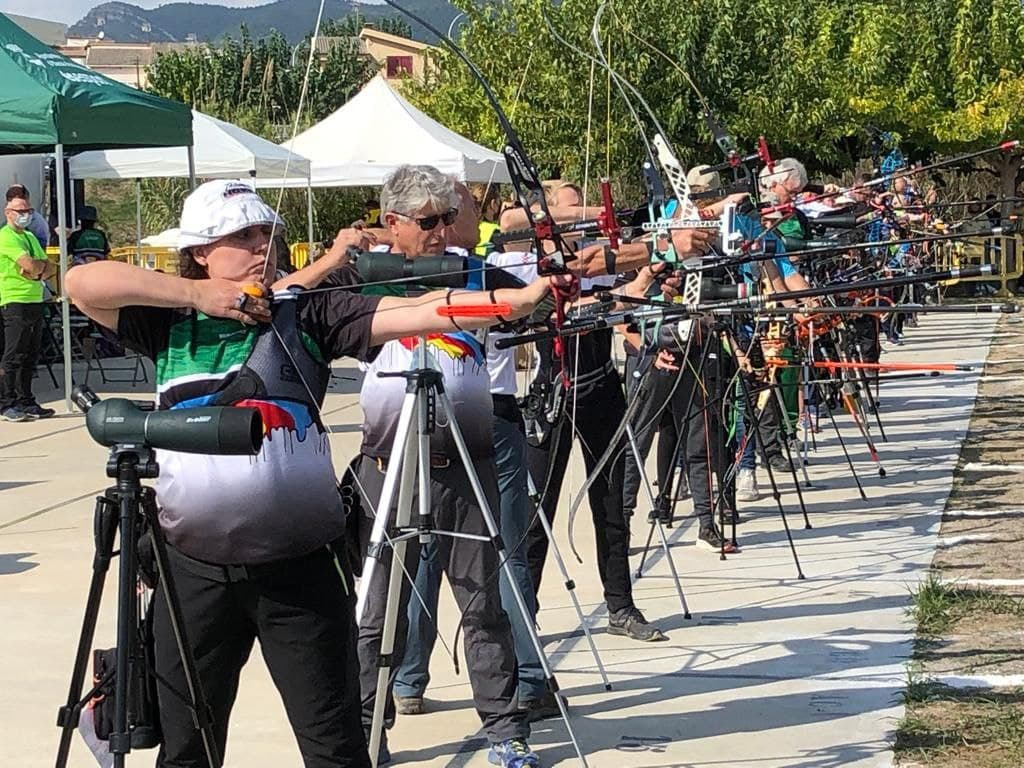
(964, 703)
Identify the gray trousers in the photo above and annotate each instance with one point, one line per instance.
(471, 567)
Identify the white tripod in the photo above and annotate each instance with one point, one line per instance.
(411, 458)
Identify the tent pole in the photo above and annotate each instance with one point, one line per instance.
(138, 221)
(65, 304)
(191, 168)
(309, 212)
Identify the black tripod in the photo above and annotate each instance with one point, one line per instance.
(128, 508)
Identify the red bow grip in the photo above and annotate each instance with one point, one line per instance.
(608, 223)
(475, 310)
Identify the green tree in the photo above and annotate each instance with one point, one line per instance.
(955, 84)
(352, 25)
(809, 75)
(257, 85)
(767, 67)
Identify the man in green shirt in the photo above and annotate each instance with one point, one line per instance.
(23, 267)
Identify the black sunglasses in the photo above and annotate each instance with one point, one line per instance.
(428, 223)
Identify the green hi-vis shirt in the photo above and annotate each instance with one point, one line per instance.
(14, 287)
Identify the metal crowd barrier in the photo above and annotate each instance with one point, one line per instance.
(1005, 253)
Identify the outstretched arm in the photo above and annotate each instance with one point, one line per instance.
(398, 317)
(101, 289)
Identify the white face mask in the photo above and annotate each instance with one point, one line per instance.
(23, 219)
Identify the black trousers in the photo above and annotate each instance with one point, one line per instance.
(653, 417)
(302, 611)
(23, 338)
(598, 413)
(471, 567)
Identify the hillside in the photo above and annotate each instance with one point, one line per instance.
(125, 22)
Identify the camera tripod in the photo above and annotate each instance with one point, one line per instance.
(409, 470)
(122, 509)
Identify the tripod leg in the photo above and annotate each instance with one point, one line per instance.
(792, 465)
(657, 521)
(129, 499)
(387, 497)
(104, 529)
(411, 470)
(492, 529)
(570, 585)
(200, 704)
(755, 421)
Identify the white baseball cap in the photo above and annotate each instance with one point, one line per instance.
(702, 177)
(219, 208)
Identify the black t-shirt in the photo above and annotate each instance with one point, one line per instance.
(283, 502)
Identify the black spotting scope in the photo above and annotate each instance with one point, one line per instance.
(444, 271)
(217, 430)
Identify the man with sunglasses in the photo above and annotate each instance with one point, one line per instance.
(418, 203)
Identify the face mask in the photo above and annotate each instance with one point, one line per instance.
(23, 219)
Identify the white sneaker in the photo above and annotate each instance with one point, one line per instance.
(746, 486)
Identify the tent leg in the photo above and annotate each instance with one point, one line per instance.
(309, 214)
(65, 304)
(191, 168)
(138, 222)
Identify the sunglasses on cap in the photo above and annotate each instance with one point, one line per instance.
(427, 223)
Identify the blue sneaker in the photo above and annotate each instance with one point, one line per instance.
(514, 753)
(15, 414)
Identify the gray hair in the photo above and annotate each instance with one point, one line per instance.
(785, 169)
(413, 187)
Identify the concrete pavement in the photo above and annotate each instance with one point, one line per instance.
(770, 671)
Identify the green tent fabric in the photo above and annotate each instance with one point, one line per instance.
(46, 99)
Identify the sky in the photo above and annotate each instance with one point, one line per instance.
(70, 11)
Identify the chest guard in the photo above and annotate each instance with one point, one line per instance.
(273, 371)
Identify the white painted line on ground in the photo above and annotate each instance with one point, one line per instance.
(990, 582)
(977, 466)
(980, 681)
(961, 513)
(968, 538)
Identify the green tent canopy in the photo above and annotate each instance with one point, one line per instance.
(47, 99)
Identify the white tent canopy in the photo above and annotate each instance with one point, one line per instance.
(222, 150)
(377, 131)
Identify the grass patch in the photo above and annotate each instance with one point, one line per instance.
(938, 605)
(962, 728)
(950, 728)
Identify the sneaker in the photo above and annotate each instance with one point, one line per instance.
(409, 705)
(709, 538)
(780, 463)
(543, 708)
(38, 412)
(15, 414)
(746, 486)
(513, 753)
(629, 622)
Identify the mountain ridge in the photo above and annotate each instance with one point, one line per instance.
(180, 21)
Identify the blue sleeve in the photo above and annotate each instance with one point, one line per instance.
(40, 229)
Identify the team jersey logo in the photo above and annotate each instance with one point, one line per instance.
(459, 346)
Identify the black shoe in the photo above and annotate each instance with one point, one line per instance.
(711, 539)
(629, 622)
(780, 463)
(662, 511)
(543, 708)
(36, 411)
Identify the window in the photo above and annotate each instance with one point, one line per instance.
(399, 66)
